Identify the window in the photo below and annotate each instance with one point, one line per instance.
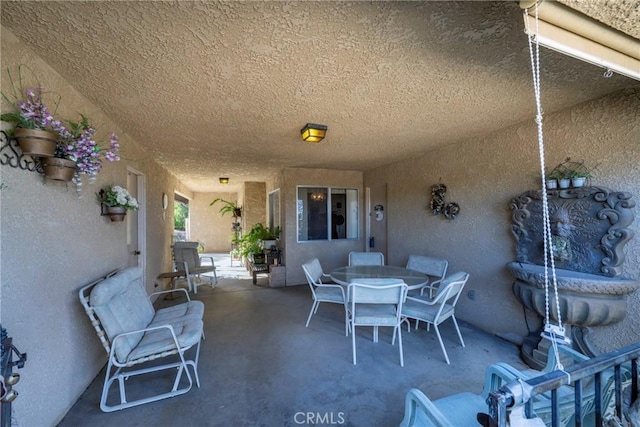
(326, 213)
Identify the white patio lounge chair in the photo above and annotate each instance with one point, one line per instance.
(133, 333)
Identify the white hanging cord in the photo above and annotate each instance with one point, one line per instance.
(551, 332)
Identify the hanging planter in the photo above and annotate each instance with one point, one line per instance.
(35, 142)
(116, 213)
(58, 169)
(115, 201)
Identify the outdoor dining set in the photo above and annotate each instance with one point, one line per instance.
(374, 294)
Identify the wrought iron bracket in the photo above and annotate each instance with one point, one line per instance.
(11, 155)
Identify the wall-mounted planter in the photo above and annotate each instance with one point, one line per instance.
(35, 142)
(116, 214)
(58, 169)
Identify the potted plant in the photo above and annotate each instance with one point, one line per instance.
(251, 248)
(561, 173)
(35, 128)
(579, 174)
(571, 173)
(227, 207)
(268, 236)
(78, 144)
(116, 201)
(551, 180)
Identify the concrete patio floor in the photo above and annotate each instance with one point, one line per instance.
(260, 366)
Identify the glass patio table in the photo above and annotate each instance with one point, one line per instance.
(414, 279)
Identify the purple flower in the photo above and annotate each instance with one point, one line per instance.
(79, 144)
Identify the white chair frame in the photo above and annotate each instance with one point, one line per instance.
(183, 316)
(187, 259)
(366, 258)
(324, 292)
(440, 308)
(380, 302)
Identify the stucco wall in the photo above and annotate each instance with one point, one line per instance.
(254, 204)
(332, 254)
(52, 243)
(482, 175)
(207, 225)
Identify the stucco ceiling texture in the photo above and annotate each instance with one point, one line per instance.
(222, 88)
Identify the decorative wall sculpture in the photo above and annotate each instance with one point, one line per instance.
(438, 206)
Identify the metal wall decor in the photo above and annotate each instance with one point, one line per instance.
(438, 206)
(438, 193)
(11, 155)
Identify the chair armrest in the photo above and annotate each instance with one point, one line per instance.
(123, 335)
(419, 410)
(432, 286)
(209, 258)
(423, 300)
(166, 292)
(498, 374)
(331, 285)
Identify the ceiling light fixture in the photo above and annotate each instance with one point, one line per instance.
(313, 133)
(224, 180)
(568, 31)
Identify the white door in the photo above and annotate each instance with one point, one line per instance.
(135, 220)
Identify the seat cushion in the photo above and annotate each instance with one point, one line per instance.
(329, 294)
(191, 309)
(188, 332)
(122, 305)
(202, 269)
(425, 312)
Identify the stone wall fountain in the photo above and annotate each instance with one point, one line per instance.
(589, 227)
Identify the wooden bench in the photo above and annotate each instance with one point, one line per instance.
(258, 269)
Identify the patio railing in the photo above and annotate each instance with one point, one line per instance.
(609, 372)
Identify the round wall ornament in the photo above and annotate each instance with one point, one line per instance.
(165, 200)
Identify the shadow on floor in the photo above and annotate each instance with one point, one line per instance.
(260, 366)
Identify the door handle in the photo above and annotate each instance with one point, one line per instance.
(136, 253)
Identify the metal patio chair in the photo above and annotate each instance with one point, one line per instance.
(186, 258)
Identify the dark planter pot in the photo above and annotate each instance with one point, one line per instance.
(258, 258)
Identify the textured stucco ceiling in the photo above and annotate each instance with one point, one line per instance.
(222, 88)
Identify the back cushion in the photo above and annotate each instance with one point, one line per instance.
(122, 305)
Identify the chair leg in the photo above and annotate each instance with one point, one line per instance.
(346, 321)
(314, 307)
(441, 344)
(353, 341)
(399, 329)
(457, 329)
